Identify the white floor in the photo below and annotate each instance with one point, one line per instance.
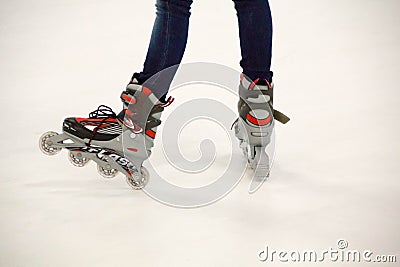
(336, 168)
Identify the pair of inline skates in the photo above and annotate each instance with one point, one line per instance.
(122, 142)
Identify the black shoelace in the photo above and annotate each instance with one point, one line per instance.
(104, 112)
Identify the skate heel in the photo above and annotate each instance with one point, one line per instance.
(260, 164)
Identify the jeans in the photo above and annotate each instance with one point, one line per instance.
(170, 33)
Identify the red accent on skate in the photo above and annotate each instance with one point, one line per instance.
(253, 84)
(128, 112)
(132, 149)
(151, 133)
(268, 84)
(79, 120)
(103, 126)
(128, 98)
(169, 102)
(137, 129)
(132, 126)
(258, 122)
(146, 90)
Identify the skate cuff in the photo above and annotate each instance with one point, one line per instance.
(260, 84)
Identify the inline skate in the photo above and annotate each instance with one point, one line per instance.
(116, 142)
(255, 123)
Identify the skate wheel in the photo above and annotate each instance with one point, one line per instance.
(137, 181)
(77, 159)
(107, 172)
(46, 146)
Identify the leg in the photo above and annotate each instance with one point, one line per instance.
(255, 124)
(167, 44)
(255, 32)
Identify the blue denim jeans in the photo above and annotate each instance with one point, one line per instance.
(170, 32)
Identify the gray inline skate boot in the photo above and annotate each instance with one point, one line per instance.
(117, 143)
(255, 123)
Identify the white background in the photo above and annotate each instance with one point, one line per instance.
(336, 172)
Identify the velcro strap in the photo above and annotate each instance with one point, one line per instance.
(279, 116)
(127, 98)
